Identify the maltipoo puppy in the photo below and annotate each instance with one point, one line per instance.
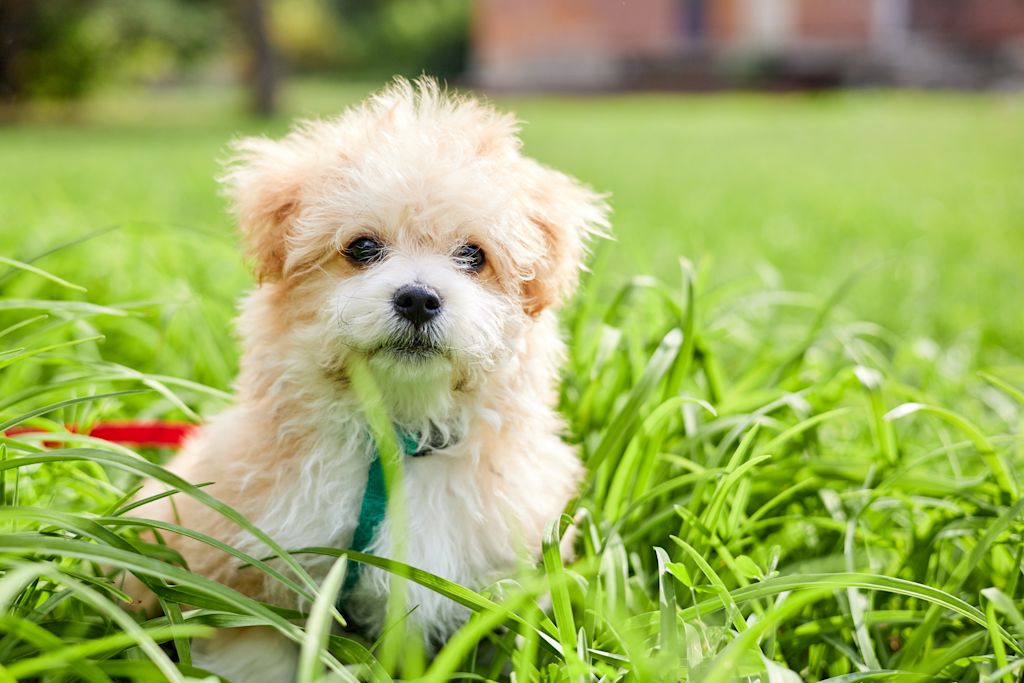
(412, 234)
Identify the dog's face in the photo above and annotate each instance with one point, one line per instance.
(411, 231)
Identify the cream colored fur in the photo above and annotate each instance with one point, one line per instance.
(425, 173)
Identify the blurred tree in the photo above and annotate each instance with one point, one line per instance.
(309, 36)
(63, 48)
(427, 35)
(261, 68)
(406, 36)
(44, 49)
(157, 41)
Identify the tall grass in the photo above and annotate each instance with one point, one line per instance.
(804, 458)
(777, 492)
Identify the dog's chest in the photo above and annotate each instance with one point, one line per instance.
(450, 523)
(451, 527)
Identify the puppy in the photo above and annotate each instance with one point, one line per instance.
(412, 234)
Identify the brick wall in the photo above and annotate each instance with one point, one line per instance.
(840, 20)
(600, 43)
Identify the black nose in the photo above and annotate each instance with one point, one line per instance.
(417, 304)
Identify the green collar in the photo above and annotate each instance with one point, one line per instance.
(373, 508)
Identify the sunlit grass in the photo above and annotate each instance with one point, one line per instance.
(806, 469)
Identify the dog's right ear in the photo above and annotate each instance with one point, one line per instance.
(263, 181)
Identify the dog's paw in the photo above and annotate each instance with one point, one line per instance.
(247, 655)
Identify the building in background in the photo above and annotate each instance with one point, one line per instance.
(694, 44)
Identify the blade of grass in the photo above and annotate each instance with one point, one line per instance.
(318, 628)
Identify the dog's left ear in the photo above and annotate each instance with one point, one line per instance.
(567, 214)
(263, 180)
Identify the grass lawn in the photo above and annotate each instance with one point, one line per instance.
(796, 377)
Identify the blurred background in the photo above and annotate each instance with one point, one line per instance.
(869, 149)
(68, 49)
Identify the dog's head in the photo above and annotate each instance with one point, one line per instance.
(411, 230)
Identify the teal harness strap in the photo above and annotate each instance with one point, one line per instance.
(371, 515)
(372, 512)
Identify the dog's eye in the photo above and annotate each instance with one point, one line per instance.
(364, 250)
(470, 257)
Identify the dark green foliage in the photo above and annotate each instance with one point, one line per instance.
(45, 49)
(409, 37)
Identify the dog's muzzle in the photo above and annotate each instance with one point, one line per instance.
(418, 304)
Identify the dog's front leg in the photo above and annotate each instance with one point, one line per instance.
(247, 655)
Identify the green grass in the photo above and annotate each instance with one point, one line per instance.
(804, 449)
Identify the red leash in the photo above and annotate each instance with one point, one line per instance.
(138, 433)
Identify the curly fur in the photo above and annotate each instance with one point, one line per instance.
(425, 172)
